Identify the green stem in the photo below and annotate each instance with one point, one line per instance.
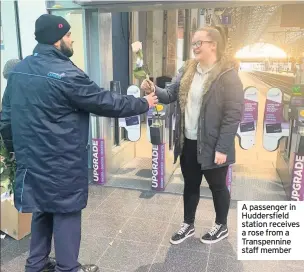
(140, 54)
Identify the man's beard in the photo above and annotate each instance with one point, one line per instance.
(66, 50)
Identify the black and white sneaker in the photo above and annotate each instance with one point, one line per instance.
(216, 234)
(185, 232)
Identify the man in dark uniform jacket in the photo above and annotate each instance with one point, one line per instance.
(48, 101)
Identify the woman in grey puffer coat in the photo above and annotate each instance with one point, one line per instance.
(210, 98)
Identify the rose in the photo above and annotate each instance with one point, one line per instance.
(136, 46)
(139, 71)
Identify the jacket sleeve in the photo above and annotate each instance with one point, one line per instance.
(232, 111)
(170, 93)
(5, 124)
(86, 95)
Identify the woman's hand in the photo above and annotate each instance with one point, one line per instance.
(148, 86)
(220, 158)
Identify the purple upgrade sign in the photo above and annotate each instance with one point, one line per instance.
(229, 178)
(250, 113)
(274, 115)
(297, 183)
(158, 167)
(98, 151)
(273, 112)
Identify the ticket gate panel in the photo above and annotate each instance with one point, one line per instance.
(290, 159)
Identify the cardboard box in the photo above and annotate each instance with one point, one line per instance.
(15, 224)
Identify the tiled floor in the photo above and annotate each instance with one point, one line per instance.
(129, 230)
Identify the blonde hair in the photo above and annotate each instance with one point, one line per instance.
(219, 35)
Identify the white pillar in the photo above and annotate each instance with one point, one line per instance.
(194, 20)
(154, 45)
(29, 11)
(171, 43)
(9, 43)
(202, 17)
(134, 38)
(158, 28)
(106, 58)
(193, 27)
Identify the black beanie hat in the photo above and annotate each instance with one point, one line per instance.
(50, 28)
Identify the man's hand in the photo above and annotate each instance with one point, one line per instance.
(220, 158)
(152, 99)
(147, 86)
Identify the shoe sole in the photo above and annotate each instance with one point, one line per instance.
(49, 269)
(98, 270)
(214, 241)
(182, 240)
(53, 270)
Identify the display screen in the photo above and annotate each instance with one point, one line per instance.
(273, 128)
(245, 127)
(132, 121)
(297, 101)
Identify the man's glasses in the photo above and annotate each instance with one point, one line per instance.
(199, 43)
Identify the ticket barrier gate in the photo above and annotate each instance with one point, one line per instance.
(290, 158)
(162, 124)
(160, 131)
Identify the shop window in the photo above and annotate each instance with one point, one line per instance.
(67, 4)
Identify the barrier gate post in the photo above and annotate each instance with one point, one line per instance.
(98, 150)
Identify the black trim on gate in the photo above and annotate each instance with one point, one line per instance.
(115, 87)
(16, 7)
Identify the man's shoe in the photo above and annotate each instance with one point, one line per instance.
(185, 232)
(88, 268)
(216, 234)
(50, 266)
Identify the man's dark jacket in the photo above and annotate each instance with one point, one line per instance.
(48, 102)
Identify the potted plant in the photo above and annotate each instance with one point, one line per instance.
(7, 170)
(13, 222)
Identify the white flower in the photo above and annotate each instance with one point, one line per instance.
(136, 46)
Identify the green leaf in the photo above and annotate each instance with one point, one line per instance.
(139, 73)
(9, 166)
